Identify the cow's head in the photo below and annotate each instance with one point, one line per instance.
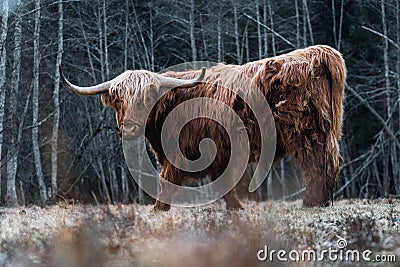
(132, 94)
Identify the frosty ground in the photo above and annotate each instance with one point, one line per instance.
(133, 235)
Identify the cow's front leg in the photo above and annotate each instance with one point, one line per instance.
(163, 195)
(169, 175)
(232, 201)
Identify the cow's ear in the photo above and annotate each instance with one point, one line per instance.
(109, 101)
(151, 93)
(106, 99)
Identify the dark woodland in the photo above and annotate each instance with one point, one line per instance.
(55, 145)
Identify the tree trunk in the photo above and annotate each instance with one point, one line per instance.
(146, 58)
(265, 19)
(386, 175)
(98, 168)
(124, 186)
(87, 46)
(309, 22)
(151, 36)
(106, 64)
(272, 27)
(296, 4)
(236, 30)
(101, 43)
(35, 106)
(19, 138)
(270, 190)
(191, 30)
(126, 34)
(56, 102)
(304, 24)
(21, 189)
(397, 177)
(259, 37)
(334, 23)
(246, 42)
(219, 37)
(140, 177)
(3, 51)
(340, 25)
(204, 38)
(113, 182)
(283, 178)
(12, 163)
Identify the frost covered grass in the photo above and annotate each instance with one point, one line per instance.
(133, 235)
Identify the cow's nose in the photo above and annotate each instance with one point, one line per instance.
(130, 129)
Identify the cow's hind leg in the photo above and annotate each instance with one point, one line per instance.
(232, 201)
(320, 170)
(317, 194)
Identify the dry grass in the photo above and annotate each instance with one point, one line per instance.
(132, 235)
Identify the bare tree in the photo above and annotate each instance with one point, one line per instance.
(271, 18)
(12, 163)
(340, 25)
(56, 101)
(35, 105)
(191, 30)
(219, 36)
(140, 176)
(151, 36)
(106, 63)
(203, 35)
(3, 54)
(386, 177)
(304, 23)
(296, 4)
(124, 185)
(139, 32)
(308, 20)
(126, 34)
(246, 41)
(397, 177)
(87, 46)
(3, 62)
(100, 27)
(265, 21)
(259, 37)
(334, 23)
(236, 32)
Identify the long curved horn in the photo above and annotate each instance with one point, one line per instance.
(90, 90)
(168, 82)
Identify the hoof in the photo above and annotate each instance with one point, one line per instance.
(311, 204)
(234, 207)
(160, 206)
(316, 198)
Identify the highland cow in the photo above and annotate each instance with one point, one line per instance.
(304, 89)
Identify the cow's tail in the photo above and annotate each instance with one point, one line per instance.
(334, 62)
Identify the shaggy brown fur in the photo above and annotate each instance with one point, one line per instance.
(305, 91)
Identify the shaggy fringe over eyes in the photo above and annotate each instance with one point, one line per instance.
(129, 86)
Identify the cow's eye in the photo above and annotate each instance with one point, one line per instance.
(129, 124)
